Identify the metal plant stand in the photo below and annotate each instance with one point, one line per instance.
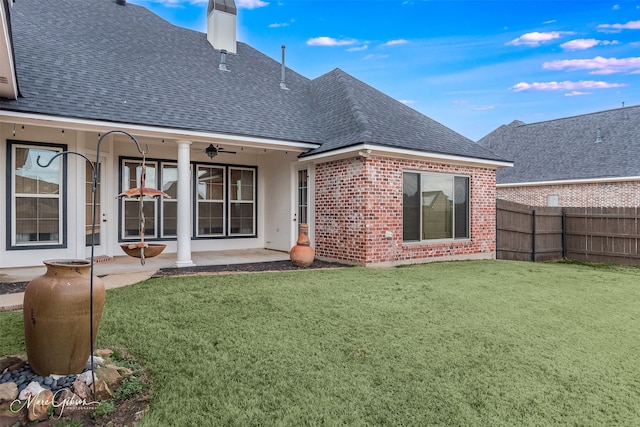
(93, 222)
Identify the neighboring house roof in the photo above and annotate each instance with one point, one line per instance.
(599, 145)
(97, 60)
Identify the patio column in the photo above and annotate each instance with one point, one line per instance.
(184, 203)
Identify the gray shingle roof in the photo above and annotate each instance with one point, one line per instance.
(566, 149)
(97, 60)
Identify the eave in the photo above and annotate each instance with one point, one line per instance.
(8, 76)
(366, 150)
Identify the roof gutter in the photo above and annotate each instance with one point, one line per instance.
(570, 181)
(153, 132)
(366, 150)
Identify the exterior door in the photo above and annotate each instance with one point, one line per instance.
(99, 239)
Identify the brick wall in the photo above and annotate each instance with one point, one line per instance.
(602, 194)
(358, 212)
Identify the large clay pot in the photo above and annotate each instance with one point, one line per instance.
(56, 317)
(302, 253)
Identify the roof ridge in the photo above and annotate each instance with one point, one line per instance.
(581, 115)
(359, 115)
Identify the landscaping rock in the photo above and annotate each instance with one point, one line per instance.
(38, 407)
(8, 392)
(110, 375)
(103, 392)
(12, 415)
(104, 352)
(67, 402)
(86, 377)
(31, 390)
(9, 361)
(123, 370)
(82, 390)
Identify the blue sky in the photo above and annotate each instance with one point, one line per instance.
(471, 65)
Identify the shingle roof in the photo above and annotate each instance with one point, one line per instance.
(95, 59)
(568, 148)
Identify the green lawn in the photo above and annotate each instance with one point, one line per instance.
(459, 343)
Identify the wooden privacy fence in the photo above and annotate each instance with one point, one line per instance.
(608, 235)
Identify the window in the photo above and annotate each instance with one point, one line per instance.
(224, 200)
(131, 217)
(37, 204)
(553, 200)
(242, 201)
(170, 206)
(435, 206)
(210, 203)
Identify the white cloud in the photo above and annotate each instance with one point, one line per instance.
(375, 56)
(330, 41)
(577, 93)
(251, 4)
(395, 42)
(582, 44)
(282, 24)
(485, 108)
(408, 101)
(616, 7)
(616, 28)
(562, 86)
(536, 38)
(549, 22)
(597, 65)
(358, 48)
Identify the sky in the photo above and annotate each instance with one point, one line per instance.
(471, 65)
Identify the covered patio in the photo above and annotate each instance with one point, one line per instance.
(123, 270)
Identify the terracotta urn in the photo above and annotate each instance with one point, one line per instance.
(57, 315)
(302, 253)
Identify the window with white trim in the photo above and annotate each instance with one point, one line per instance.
(435, 207)
(37, 201)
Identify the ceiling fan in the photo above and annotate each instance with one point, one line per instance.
(213, 150)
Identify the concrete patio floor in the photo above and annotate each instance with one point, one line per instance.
(125, 270)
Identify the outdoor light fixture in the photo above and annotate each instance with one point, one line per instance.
(211, 151)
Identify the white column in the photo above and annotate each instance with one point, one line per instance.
(184, 205)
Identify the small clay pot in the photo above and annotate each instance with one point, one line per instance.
(302, 254)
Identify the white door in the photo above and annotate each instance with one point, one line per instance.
(99, 238)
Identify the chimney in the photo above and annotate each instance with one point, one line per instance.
(221, 25)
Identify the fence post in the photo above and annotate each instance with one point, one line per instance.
(533, 235)
(564, 234)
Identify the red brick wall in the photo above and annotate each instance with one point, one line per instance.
(358, 212)
(602, 194)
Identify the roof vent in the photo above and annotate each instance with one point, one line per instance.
(598, 136)
(121, 2)
(283, 81)
(223, 61)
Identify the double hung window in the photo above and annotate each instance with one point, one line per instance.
(37, 201)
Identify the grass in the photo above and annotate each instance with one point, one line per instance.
(460, 343)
